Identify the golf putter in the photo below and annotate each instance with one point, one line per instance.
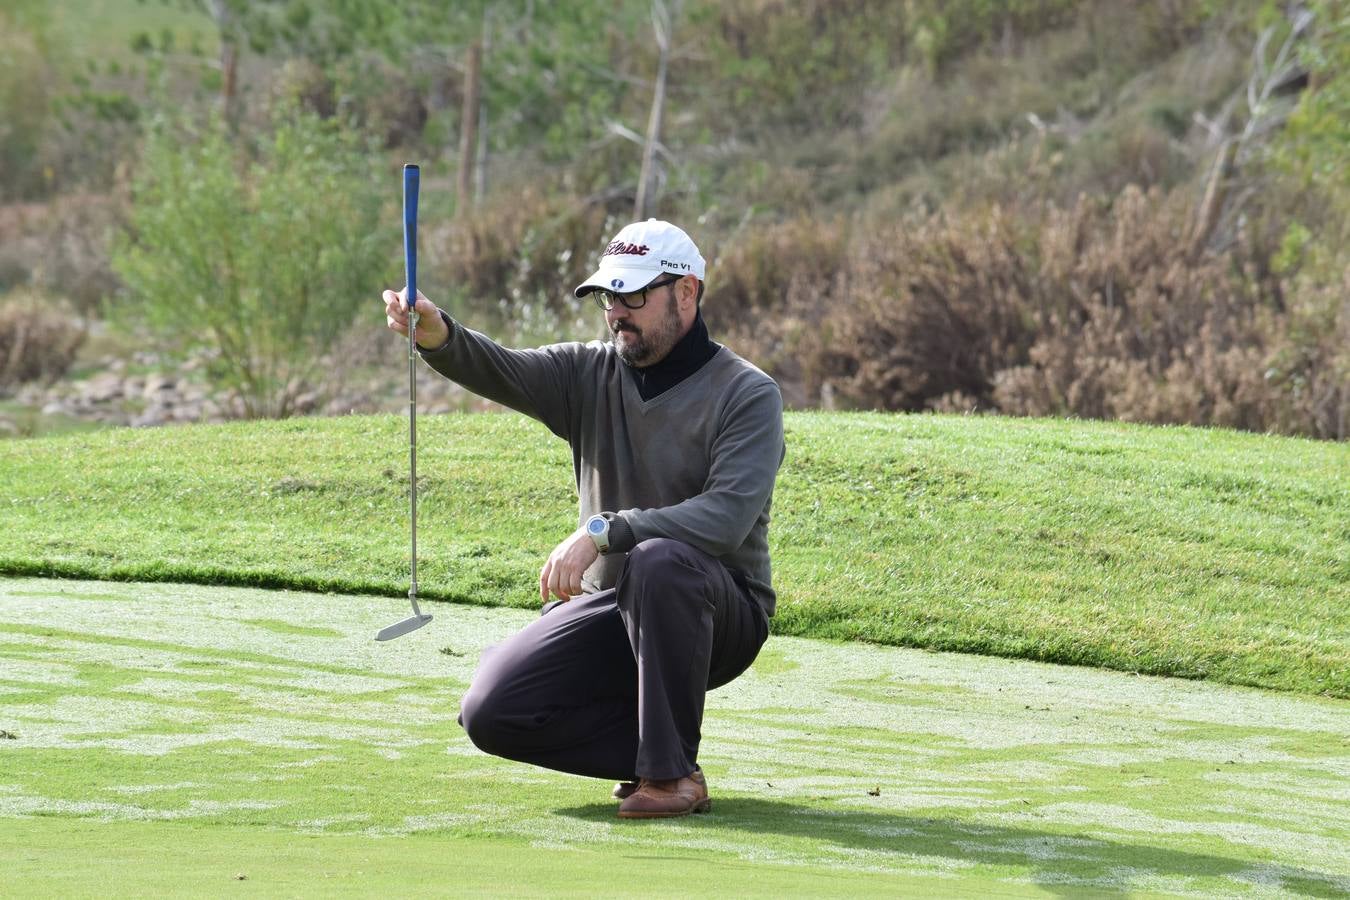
(410, 184)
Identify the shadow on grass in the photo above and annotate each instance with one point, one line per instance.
(1057, 862)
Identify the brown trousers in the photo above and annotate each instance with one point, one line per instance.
(612, 684)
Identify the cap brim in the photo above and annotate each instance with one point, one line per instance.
(622, 279)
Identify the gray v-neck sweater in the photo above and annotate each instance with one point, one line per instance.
(695, 463)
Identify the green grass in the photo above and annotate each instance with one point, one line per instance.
(169, 738)
(29, 421)
(1196, 553)
(104, 30)
(220, 860)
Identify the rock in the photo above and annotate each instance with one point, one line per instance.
(347, 404)
(103, 388)
(157, 385)
(306, 403)
(55, 408)
(111, 417)
(189, 412)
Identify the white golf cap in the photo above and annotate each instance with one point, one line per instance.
(640, 253)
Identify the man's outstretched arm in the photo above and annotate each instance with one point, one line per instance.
(537, 383)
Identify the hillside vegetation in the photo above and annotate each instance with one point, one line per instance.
(1130, 211)
(1176, 551)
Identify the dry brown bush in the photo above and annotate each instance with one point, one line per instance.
(1102, 310)
(37, 339)
(769, 290)
(931, 312)
(521, 255)
(1132, 325)
(894, 318)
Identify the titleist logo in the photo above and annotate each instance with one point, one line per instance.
(622, 248)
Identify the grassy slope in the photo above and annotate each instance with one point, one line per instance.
(168, 737)
(1171, 551)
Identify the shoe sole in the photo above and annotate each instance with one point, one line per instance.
(704, 805)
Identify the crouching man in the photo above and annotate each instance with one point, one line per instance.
(663, 591)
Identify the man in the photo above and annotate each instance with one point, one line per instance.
(663, 592)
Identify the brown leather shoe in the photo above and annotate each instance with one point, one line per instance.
(666, 799)
(625, 789)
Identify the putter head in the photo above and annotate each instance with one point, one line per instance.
(398, 629)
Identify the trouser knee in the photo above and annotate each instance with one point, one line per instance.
(478, 716)
(658, 559)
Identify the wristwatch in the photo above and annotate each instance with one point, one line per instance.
(598, 529)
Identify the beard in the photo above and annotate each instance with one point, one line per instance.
(640, 348)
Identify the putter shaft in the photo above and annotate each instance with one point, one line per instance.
(412, 452)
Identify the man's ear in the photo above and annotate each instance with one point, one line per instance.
(688, 288)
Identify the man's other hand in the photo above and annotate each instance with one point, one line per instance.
(431, 328)
(561, 575)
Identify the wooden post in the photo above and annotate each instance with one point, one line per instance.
(468, 128)
(661, 23)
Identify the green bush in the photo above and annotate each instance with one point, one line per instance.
(1313, 368)
(264, 258)
(26, 86)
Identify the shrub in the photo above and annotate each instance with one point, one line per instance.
(38, 338)
(1311, 367)
(374, 95)
(27, 82)
(521, 254)
(1132, 324)
(935, 310)
(894, 317)
(1102, 310)
(72, 254)
(265, 259)
(769, 290)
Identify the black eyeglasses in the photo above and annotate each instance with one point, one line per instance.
(635, 300)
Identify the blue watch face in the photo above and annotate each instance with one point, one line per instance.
(596, 526)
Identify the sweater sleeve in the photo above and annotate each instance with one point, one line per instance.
(746, 455)
(539, 383)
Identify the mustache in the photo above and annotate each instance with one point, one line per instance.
(623, 326)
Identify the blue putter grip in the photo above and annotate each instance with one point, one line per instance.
(411, 175)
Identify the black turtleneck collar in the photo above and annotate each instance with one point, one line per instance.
(684, 359)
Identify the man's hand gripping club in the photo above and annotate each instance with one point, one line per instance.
(431, 328)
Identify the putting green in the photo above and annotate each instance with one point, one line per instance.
(163, 860)
(164, 738)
